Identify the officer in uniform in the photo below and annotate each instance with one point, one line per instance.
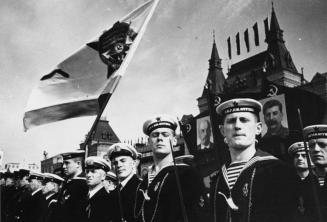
(110, 182)
(37, 204)
(316, 136)
(98, 198)
(72, 198)
(52, 183)
(7, 191)
(158, 196)
(253, 185)
(123, 159)
(18, 204)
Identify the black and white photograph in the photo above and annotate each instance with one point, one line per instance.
(106, 111)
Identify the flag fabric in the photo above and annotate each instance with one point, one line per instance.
(229, 48)
(238, 47)
(246, 39)
(77, 85)
(256, 34)
(266, 26)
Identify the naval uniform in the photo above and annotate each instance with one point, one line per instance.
(263, 192)
(159, 201)
(18, 205)
(36, 207)
(128, 195)
(97, 209)
(72, 204)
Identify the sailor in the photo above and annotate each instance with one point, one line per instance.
(123, 159)
(98, 198)
(72, 198)
(316, 135)
(305, 206)
(110, 182)
(37, 204)
(253, 185)
(169, 192)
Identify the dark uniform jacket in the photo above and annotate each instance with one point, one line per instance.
(73, 201)
(306, 203)
(37, 207)
(263, 192)
(160, 200)
(98, 207)
(7, 193)
(18, 205)
(127, 194)
(322, 193)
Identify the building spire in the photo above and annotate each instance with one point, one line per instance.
(275, 32)
(214, 61)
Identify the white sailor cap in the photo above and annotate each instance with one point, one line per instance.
(35, 175)
(315, 131)
(96, 162)
(50, 177)
(122, 149)
(159, 121)
(111, 176)
(296, 147)
(239, 105)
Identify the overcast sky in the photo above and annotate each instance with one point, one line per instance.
(167, 72)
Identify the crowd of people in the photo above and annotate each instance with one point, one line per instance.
(252, 186)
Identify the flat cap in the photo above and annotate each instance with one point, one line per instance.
(73, 154)
(159, 121)
(96, 162)
(186, 159)
(239, 105)
(296, 147)
(111, 176)
(35, 175)
(315, 131)
(122, 149)
(50, 177)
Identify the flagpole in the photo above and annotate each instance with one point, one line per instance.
(179, 188)
(119, 73)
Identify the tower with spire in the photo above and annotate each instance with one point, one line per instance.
(215, 78)
(275, 64)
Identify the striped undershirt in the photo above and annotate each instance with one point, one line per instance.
(151, 175)
(233, 171)
(321, 181)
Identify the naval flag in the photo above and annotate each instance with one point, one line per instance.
(73, 88)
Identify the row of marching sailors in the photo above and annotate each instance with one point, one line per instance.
(31, 196)
(251, 186)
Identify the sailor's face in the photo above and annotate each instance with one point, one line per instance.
(318, 151)
(160, 140)
(240, 129)
(124, 166)
(94, 177)
(70, 167)
(300, 160)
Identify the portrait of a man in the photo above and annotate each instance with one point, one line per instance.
(274, 116)
(205, 137)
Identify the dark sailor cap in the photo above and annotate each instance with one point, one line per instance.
(73, 154)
